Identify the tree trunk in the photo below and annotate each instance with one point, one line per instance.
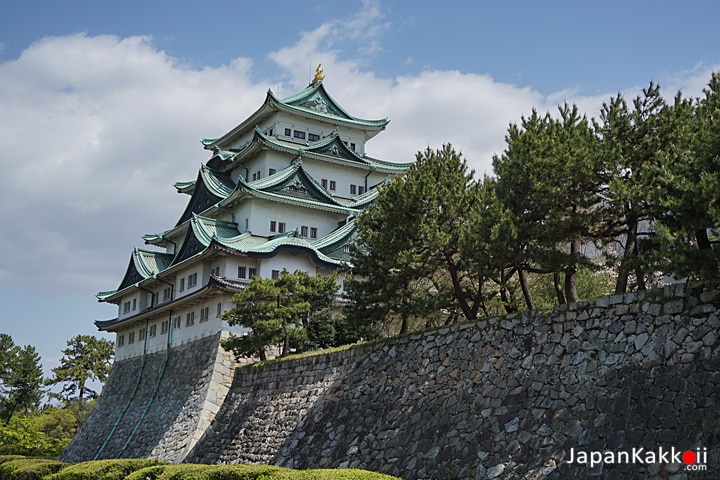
(571, 294)
(558, 288)
(525, 289)
(703, 242)
(404, 325)
(469, 313)
(629, 255)
(507, 303)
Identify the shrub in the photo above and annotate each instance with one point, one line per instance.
(29, 468)
(248, 472)
(103, 469)
(208, 472)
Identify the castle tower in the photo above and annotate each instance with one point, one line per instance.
(280, 191)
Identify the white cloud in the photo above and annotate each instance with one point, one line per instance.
(95, 130)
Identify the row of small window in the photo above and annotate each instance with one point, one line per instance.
(246, 272)
(126, 305)
(357, 189)
(191, 281)
(165, 326)
(300, 135)
(305, 231)
(258, 175)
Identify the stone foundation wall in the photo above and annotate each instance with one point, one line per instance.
(501, 398)
(509, 397)
(156, 406)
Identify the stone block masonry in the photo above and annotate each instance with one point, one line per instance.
(156, 406)
(509, 397)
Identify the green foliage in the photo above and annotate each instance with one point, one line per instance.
(40, 434)
(29, 468)
(416, 259)
(45, 433)
(281, 310)
(547, 181)
(87, 358)
(102, 469)
(21, 379)
(249, 472)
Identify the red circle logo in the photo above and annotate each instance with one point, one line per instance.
(689, 457)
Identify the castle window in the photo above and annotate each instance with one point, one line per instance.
(361, 190)
(164, 327)
(352, 146)
(324, 183)
(353, 189)
(131, 337)
(121, 340)
(304, 231)
(192, 280)
(313, 232)
(219, 309)
(176, 322)
(271, 171)
(287, 132)
(166, 294)
(252, 272)
(299, 134)
(242, 272)
(273, 226)
(205, 314)
(182, 284)
(153, 330)
(281, 227)
(126, 307)
(190, 319)
(313, 137)
(276, 274)
(332, 185)
(134, 304)
(141, 334)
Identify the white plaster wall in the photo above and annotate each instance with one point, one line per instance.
(262, 212)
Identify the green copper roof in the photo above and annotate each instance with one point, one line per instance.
(209, 188)
(313, 102)
(330, 149)
(143, 264)
(317, 100)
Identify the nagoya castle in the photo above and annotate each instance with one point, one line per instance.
(280, 191)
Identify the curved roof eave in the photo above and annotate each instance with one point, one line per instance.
(212, 283)
(318, 89)
(238, 194)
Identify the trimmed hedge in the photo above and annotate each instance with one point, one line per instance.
(28, 468)
(103, 469)
(16, 467)
(249, 472)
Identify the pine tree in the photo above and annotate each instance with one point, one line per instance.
(87, 358)
(22, 379)
(277, 311)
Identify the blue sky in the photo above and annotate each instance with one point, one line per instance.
(103, 106)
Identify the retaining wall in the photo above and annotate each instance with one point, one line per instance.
(508, 397)
(156, 406)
